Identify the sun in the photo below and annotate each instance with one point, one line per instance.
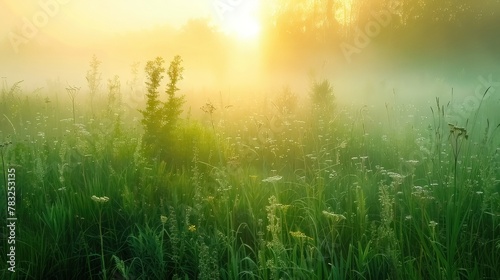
(245, 28)
(242, 20)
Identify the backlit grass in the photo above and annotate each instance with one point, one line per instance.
(266, 191)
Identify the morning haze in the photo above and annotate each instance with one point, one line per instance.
(383, 45)
(250, 139)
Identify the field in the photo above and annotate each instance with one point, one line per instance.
(283, 186)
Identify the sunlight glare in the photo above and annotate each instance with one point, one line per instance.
(246, 28)
(243, 22)
(344, 13)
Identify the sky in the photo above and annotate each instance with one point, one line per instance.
(109, 15)
(78, 20)
(30, 29)
(74, 25)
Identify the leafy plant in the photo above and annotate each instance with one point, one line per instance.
(160, 118)
(93, 78)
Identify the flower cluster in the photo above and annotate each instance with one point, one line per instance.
(433, 224)
(272, 179)
(98, 199)
(163, 219)
(192, 228)
(299, 235)
(333, 216)
(458, 131)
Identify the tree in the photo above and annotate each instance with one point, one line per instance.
(294, 30)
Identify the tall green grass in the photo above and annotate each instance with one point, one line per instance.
(274, 194)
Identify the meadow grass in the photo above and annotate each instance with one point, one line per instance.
(273, 194)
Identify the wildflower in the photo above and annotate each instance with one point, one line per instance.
(272, 179)
(284, 207)
(408, 217)
(433, 224)
(397, 178)
(163, 219)
(333, 216)
(100, 199)
(208, 108)
(395, 175)
(299, 234)
(192, 228)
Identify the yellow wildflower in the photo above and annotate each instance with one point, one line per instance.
(163, 219)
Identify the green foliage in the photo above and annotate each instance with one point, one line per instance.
(152, 115)
(147, 249)
(160, 118)
(286, 102)
(322, 99)
(432, 29)
(93, 78)
(288, 199)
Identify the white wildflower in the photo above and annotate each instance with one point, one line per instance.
(272, 179)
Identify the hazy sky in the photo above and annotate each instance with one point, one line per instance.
(107, 15)
(74, 25)
(74, 18)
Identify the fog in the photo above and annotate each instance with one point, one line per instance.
(250, 139)
(370, 68)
